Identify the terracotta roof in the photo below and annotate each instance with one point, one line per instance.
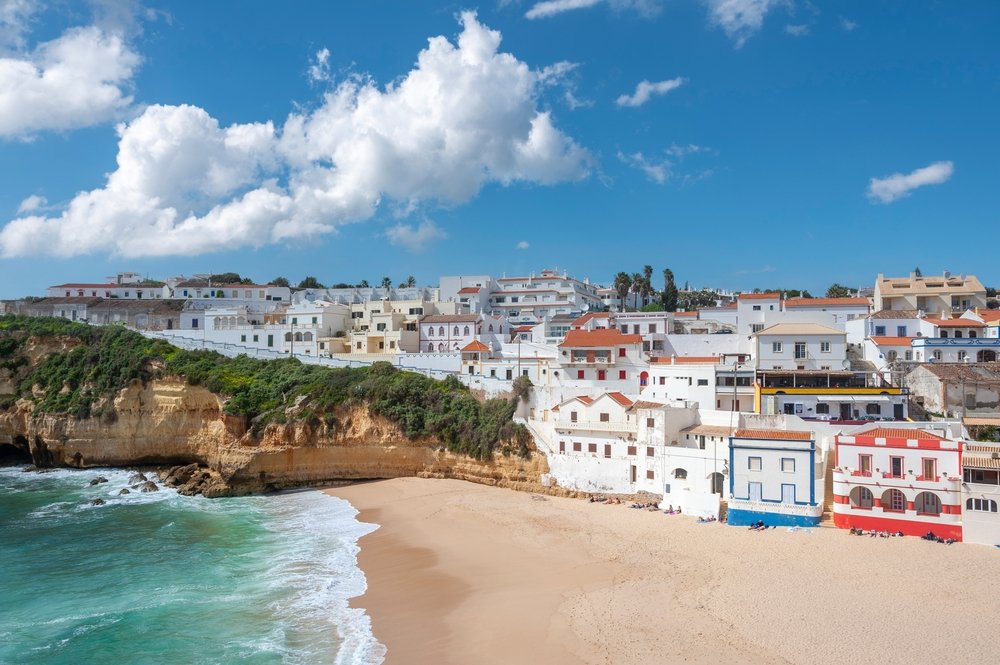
(891, 341)
(759, 296)
(203, 284)
(687, 360)
(602, 337)
(775, 434)
(621, 399)
(990, 315)
(450, 318)
(894, 314)
(643, 404)
(470, 289)
(900, 433)
(826, 302)
(955, 323)
(84, 286)
(972, 462)
(521, 329)
(475, 346)
(686, 314)
(591, 315)
(69, 300)
(585, 399)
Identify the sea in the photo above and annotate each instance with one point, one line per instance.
(164, 578)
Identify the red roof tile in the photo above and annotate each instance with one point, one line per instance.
(989, 315)
(602, 337)
(621, 399)
(86, 286)
(900, 433)
(826, 302)
(475, 346)
(590, 315)
(759, 296)
(686, 314)
(773, 434)
(892, 341)
(955, 323)
(470, 289)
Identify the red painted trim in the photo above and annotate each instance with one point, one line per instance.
(894, 525)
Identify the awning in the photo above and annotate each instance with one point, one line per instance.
(837, 398)
(981, 420)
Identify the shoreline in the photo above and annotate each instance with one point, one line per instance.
(460, 573)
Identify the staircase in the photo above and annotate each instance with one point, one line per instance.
(826, 519)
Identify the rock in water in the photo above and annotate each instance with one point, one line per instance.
(98, 502)
(137, 478)
(180, 475)
(149, 486)
(98, 480)
(125, 490)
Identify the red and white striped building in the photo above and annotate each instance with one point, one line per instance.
(897, 479)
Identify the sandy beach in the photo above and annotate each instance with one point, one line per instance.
(462, 573)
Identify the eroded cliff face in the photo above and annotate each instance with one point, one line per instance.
(167, 422)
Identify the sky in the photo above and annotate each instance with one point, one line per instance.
(742, 143)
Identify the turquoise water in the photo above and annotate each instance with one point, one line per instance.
(161, 578)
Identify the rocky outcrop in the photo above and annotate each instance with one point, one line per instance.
(167, 423)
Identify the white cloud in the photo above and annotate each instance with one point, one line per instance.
(465, 116)
(415, 238)
(800, 30)
(15, 19)
(646, 90)
(847, 25)
(76, 80)
(523, 244)
(740, 19)
(658, 172)
(549, 8)
(33, 202)
(319, 70)
(898, 185)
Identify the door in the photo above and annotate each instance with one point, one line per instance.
(897, 411)
(787, 493)
(270, 341)
(755, 491)
(632, 473)
(896, 466)
(845, 411)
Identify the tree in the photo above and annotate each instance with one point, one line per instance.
(311, 282)
(669, 298)
(652, 307)
(230, 278)
(795, 293)
(647, 284)
(622, 285)
(838, 291)
(363, 284)
(410, 282)
(280, 281)
(387, 283)
(692, 300)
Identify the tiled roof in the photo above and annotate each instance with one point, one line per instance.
(602, 337)
(621, 399)
(759, 296)
(522, 329)
(475, 346)
(973, 462)
(708, 430)
(983, 373)
(955, 323)
(470, 289)
(900, 433)
(84, 286)
(894, 314)
(799, 329)
(990, 315)
(687, 360)
(203, 284)
(892, 341)
(643, 404)
(590, 315)
(929, 284)
(826, 302)
(450, 318)
(775, 434)
(585, 399)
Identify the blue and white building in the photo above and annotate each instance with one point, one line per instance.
(773, 478)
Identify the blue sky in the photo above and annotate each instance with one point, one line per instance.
(773, 144)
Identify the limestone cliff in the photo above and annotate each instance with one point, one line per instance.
(167, 422)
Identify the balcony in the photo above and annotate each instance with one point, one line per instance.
(590, 359)
(596, 426)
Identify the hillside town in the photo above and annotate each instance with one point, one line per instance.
(876, 408)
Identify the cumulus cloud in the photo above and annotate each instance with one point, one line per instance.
(647, 90)
(847, 25)
(79, 79)
(465, 116)
(740, 19)
(33, 202)
(523, 244)
(415, 238)
(899, 185)
(549, 8)
(15, 20)
(319, 70)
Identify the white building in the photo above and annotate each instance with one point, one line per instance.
(940, 293)
(443, 333)
(981, 493)
(605, 359)
(801, 346)
(533, 298)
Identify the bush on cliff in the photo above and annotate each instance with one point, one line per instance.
(265, 391)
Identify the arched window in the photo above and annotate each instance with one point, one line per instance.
(680, 474)
(430, 331)
(893, 501)
(430, 347)
(972, 334)
(440, 331)
(822, 408)
(307, 337)
(927, 503)
(466, 330)
(643, 378)
(958, 333)
(861, 497)
(981, 505)
(491, 327)
(440, 346)
(288, 337)
(944, 333)
(873, 410)
(718, 482)
(298, 337)
(455, 331)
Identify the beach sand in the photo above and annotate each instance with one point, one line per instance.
(468, 574)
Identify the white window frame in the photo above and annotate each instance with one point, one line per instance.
(788, 465)
(754, 463)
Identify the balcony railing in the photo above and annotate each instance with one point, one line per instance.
(597, 426)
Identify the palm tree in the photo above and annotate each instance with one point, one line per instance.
(363, 284)
(622, 285)
(647, 284)
(411, 281)
(669, 297)
(386, 283)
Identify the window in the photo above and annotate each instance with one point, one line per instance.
(929, 467)
(865, 465)
(607, 450)
(753, 463)
(981, 505)
(621, 352)
(440, 331)
(861, 497)
(577, 447)
(601, 375)
(775, 347)
(936, 355)
(908, 355)
(927, 503)
(895, 467)
(466, 330)
(243, 338)
(194, 323)
(822, 408)
(579, 374)
(972, 334)
(702, 382)
(962, 355)
(592, 448)
(652, 327)
(800, 350)
(256, 338)
(756, 327)
(650, 422)
(880, 331)
(631, 451)
(635, 328)
(650, 474)
(944, 334)
(787, 465)
(605, 417)
(680, 474)
(824, 347)
(663, 380)
(873, 410)
(572, 416)
(622, 375)
(958, 334)
(893, 500)
(756, 308)
(900, 331)
(295, 320)
(649, 451)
